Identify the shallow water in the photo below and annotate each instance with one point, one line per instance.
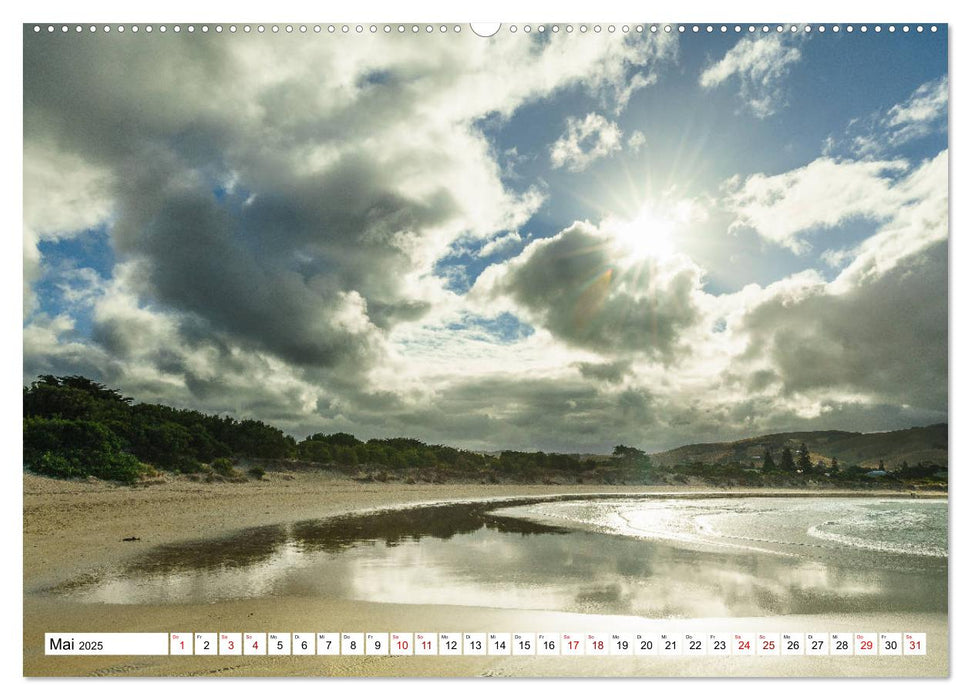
(660, 558)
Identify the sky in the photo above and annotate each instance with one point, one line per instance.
(557, 241)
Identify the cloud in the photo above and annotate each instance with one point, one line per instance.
(585, 288)
(585, 141)
(636, 141)
(922, 114)
(292, 199)
(761, 65)
(63, 197)
(883, 340)
(500, 245)
(784, 209)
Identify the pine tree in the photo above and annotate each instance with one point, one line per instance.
(767, 461)
(804, 462)
(787, 463)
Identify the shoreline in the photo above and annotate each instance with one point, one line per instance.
(77, 527)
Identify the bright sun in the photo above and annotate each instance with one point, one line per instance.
(650, 234)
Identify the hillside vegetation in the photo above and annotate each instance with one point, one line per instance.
(76, 427)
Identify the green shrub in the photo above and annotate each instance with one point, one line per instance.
(257, 472)
(77, 448)
(223, 466)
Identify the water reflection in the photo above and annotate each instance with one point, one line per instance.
(465, 554)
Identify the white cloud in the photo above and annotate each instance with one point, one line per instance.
(585, 141)
(923, 113)
(64, 195)
(636, 141)
(823, 194)
(500, 244)
(761, 65)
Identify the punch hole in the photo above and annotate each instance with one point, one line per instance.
(484, 29)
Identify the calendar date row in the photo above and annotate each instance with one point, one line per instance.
(489, 644)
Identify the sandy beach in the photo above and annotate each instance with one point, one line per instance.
(74, 529)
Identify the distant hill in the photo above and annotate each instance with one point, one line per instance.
(912, 445)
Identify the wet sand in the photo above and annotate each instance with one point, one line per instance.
(77, 528)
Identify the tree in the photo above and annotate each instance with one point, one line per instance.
(834, 464)
(767, 462)
(632, 456)
(804, 462)
(787, 463)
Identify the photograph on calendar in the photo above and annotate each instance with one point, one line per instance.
(513, 350)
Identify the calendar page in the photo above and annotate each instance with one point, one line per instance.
(529, 349)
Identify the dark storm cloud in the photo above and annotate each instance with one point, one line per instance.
(886, 338)
(579, 286)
